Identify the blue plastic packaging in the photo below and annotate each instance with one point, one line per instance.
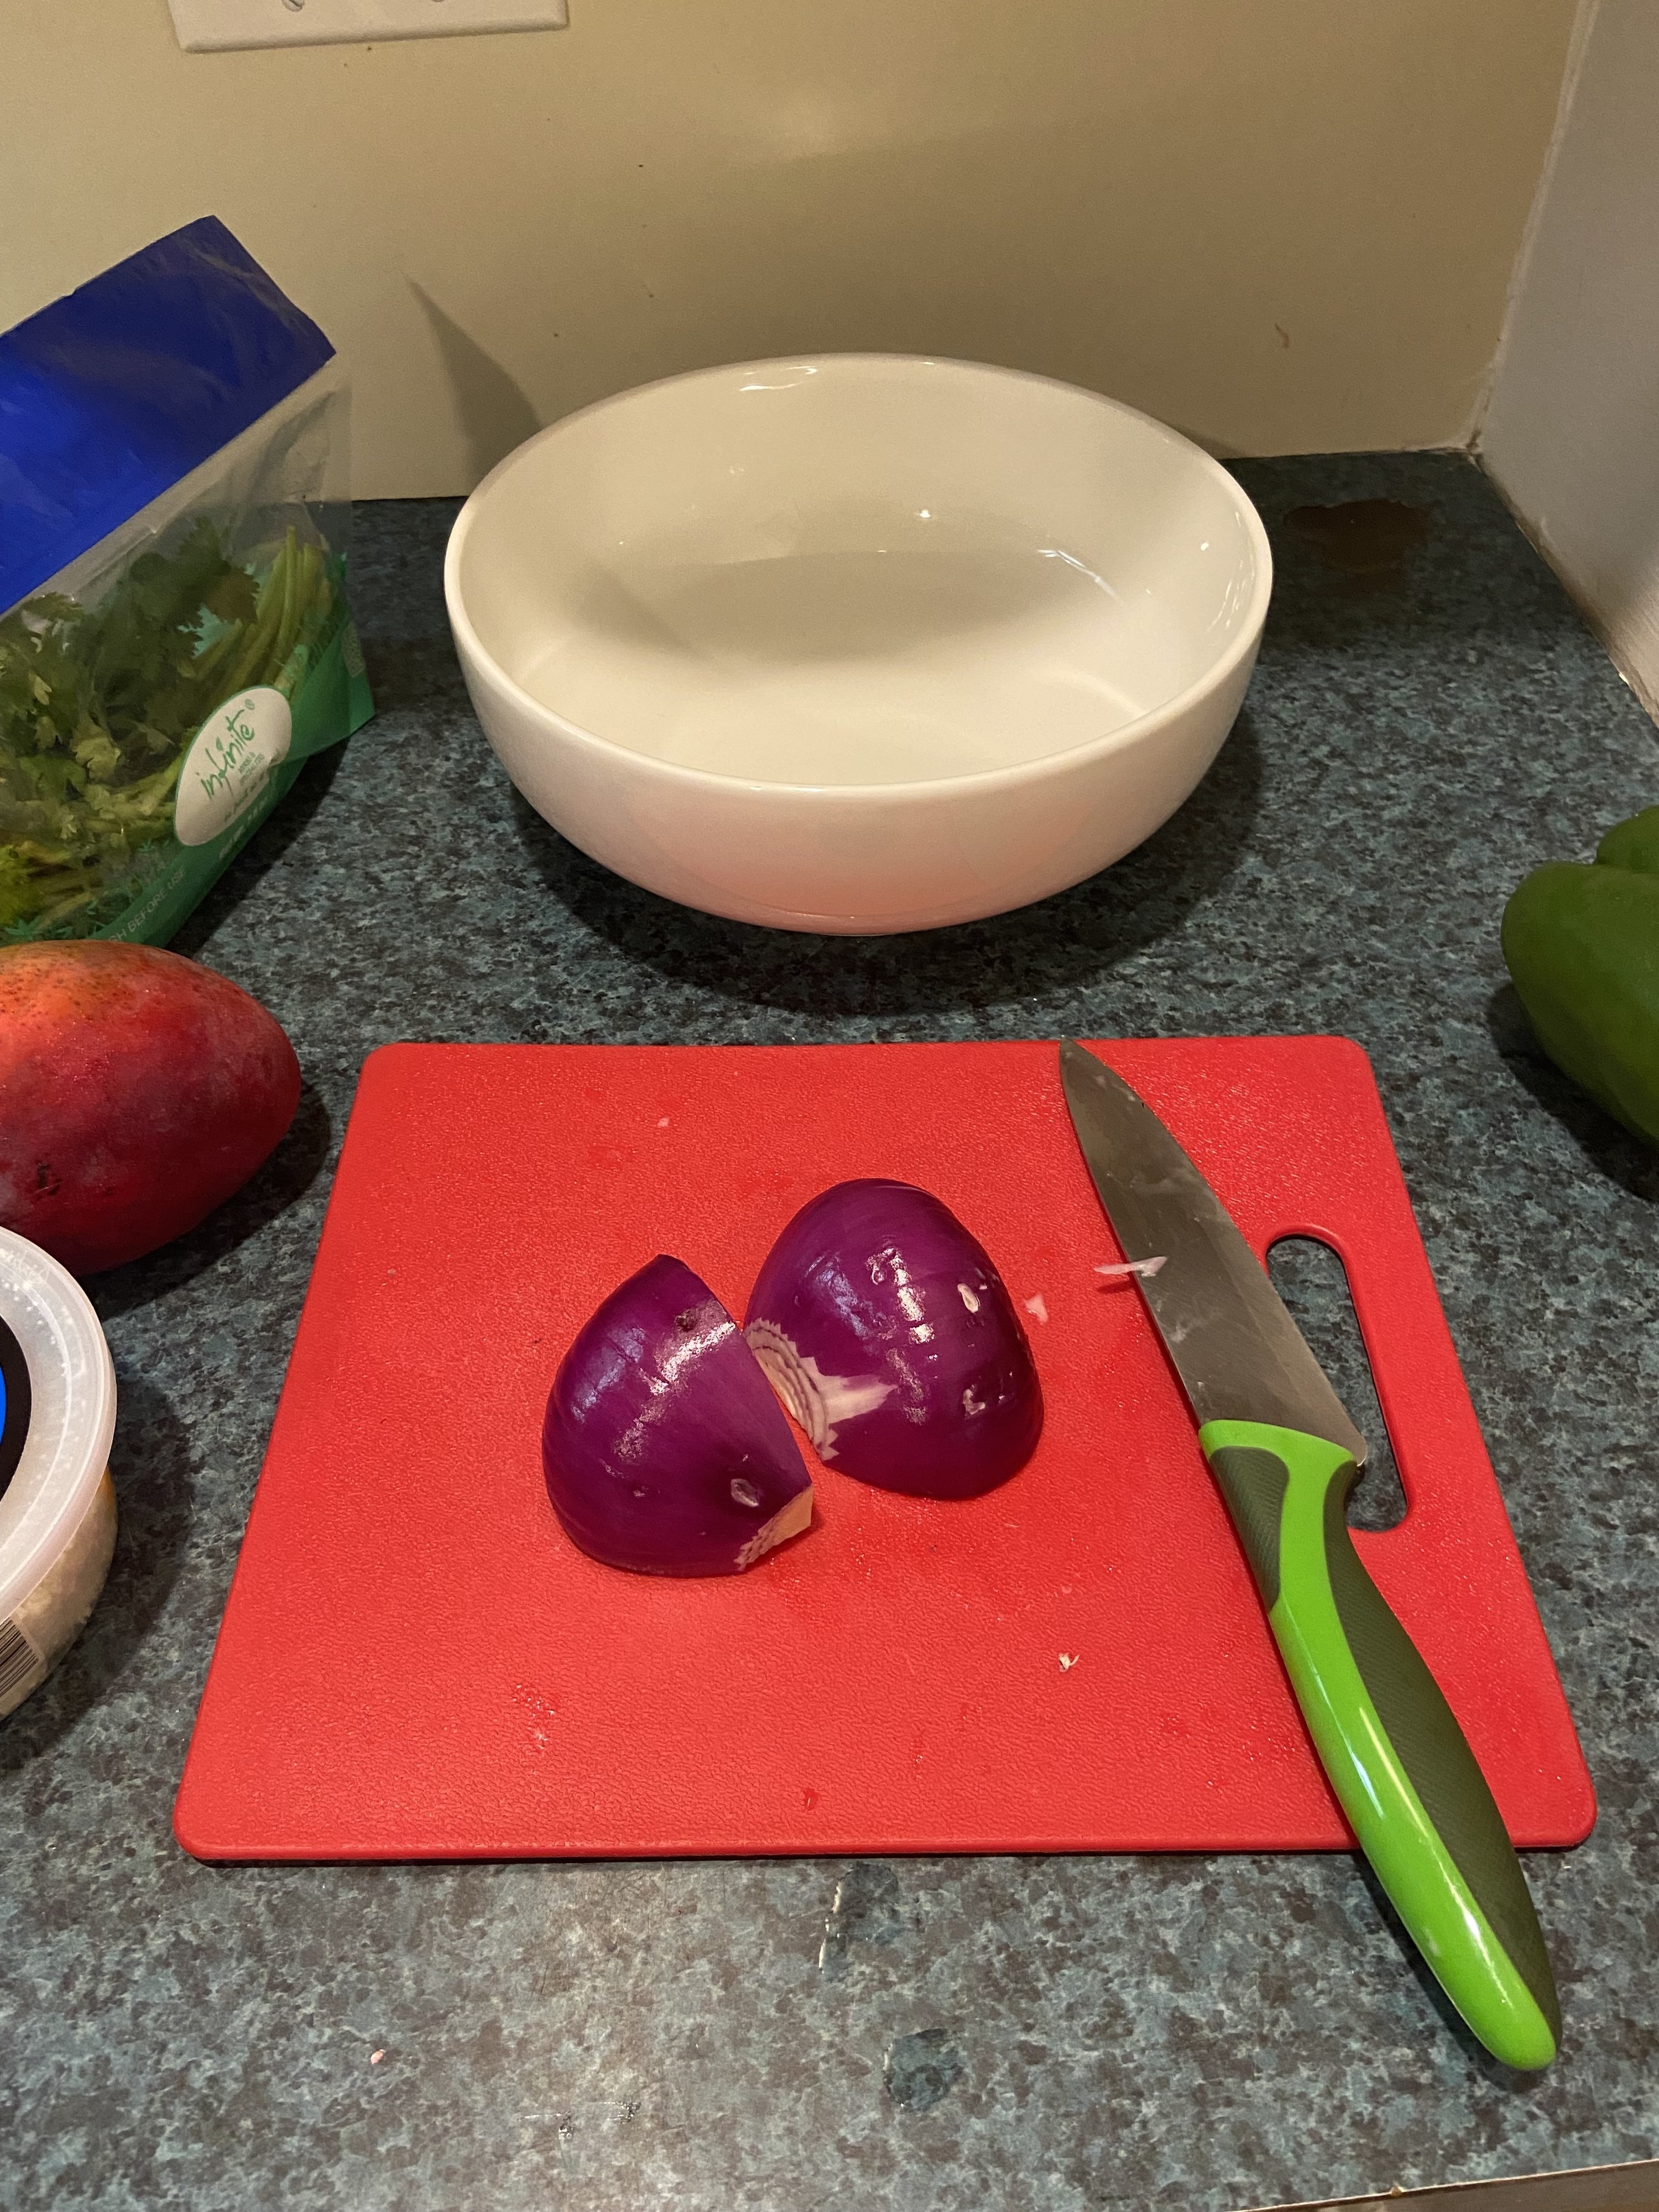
(112, 393)
(174, 636)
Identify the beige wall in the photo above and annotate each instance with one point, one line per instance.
(1572, 435)
(1284, 225)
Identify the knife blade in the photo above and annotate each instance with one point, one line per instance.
(1239, 1355)
(1286, 1456)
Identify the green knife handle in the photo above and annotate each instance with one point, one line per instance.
(1399, 1763)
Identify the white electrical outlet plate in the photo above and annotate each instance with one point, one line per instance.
(205, 26)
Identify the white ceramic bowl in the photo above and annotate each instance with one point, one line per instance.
(861, 643)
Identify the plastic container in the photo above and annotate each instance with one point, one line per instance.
(174, 637)
(58, 1514)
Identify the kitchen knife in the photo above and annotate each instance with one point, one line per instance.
(1285, 1455)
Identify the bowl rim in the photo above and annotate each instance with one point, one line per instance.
(1241, 649)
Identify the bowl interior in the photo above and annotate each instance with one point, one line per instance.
(857, 570)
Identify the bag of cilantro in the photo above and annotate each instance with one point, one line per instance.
(174, 638)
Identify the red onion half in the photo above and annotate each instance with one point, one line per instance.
(663, 1448)
(889, 1335)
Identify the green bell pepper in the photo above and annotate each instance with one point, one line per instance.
(1582, 945)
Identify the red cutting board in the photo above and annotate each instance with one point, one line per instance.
(415, 1663)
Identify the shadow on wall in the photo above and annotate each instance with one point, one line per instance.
(493, 413)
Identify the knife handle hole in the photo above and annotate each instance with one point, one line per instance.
(1310, 1278)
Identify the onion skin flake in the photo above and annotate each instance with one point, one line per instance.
(890, 1337)
(663, 1448)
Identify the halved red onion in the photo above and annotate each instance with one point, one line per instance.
(663, 1448)
(889, 1335)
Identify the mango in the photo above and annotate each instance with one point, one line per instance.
(137, 1091)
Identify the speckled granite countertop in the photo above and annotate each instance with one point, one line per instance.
(922, 2035)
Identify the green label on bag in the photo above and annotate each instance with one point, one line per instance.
(244, 759)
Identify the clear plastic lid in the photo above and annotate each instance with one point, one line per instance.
(72, 1416)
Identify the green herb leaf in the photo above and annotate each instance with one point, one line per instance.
(98, 706)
